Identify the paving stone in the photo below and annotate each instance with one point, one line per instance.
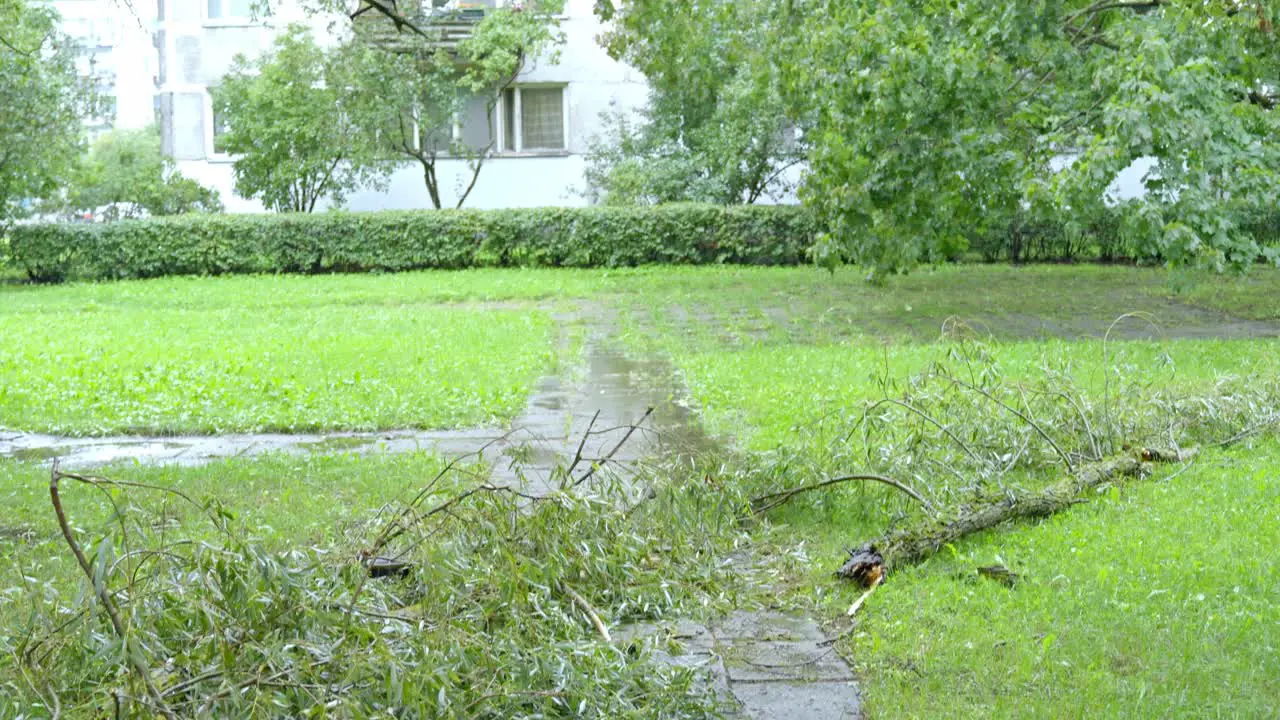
(798, 701)
(766, 625)
(792, 660)
(688, 634)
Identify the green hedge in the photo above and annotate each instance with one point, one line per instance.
(394, 241)
(1104, 238)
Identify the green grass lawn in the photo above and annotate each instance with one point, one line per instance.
(260, 355)
(1156, 599)
(767, 396)
(450, 349)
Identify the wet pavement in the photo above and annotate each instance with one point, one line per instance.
(203, 449)
(757, 664)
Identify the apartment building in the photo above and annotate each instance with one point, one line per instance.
(544, 123)
(115, 51)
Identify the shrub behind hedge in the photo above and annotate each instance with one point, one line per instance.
(405, 240)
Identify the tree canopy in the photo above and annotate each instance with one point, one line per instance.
(414, 96)
(126, 171)
(929, 122)
(716, 128)
(288, 125)
(42, 104)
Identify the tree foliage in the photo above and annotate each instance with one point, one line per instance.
(42, 104)
(716, 127)
(290, 128)
(126, 171)
(412, 92)
(935, 121)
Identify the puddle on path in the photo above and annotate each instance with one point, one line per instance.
(611, 387)
(199, 450)
(757, 665)
(614, 393)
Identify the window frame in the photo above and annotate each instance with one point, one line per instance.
(228, 20)
(211, 154)
(517, 114)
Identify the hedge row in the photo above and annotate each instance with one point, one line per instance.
(1103, 237)
(395, 241)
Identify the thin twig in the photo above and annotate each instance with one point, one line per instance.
(585, 606)
(1106, 368)
(908, 406)
(192, 682)
(609, 456)
(766, 503)
(210, 700)
(577, 456)
(1247, 432)
(511, 693)
(1034, 425)
(1088, 428)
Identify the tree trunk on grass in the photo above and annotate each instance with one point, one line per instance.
(912, 545)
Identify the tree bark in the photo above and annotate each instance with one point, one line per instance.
(911, 545)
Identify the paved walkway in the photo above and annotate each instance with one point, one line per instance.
(759, 665)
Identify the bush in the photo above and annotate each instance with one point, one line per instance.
(396, 241)
(1121, 232)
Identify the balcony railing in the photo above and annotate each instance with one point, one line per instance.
(445, 23)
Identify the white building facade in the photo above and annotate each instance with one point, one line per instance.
(115, 51)
(544, 122)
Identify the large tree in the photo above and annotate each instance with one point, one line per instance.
(288, 124)
(934, 121)
(42, 104)
(716, 127)
(412, 91)
(127, 172)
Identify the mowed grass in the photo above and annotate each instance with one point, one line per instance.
(723, 308)
(260, 355)
(451, 349)
(772, 395)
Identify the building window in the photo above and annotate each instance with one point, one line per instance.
(533, 119)
(230, 9)
(218, 123)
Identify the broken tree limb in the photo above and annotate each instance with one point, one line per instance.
(857, 604)
(911, 545)
(132, 651)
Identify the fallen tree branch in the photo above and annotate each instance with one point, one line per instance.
(911, 545)
(857, 604)
(1025, 418)
(104, 596)
(765, 503)
(924, 415)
